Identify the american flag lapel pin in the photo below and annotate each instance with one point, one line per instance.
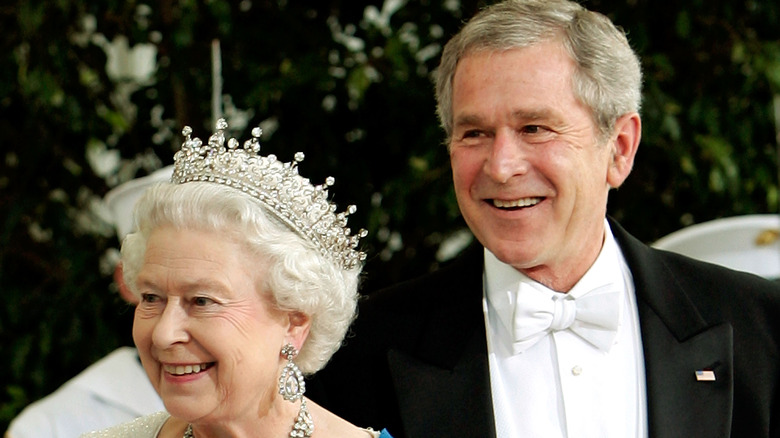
(705, 375)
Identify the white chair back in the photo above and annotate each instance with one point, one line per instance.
(748, 243)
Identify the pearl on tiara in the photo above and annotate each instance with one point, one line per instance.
(278, 186)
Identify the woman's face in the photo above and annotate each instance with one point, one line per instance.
(207, 333)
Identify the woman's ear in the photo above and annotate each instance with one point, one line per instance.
(298, 330)
(124, 291)
(624, 144)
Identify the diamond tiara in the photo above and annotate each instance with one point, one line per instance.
(278, 186)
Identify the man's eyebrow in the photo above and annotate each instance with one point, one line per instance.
(520, 114)
(467, 120)
(536, 114)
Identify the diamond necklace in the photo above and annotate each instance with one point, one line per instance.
(303, 426)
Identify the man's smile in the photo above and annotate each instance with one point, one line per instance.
(516, 203)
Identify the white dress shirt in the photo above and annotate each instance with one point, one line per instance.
(563, 386)
(110, 391)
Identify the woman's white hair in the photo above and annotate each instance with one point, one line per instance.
(299, 277)
(608, 76)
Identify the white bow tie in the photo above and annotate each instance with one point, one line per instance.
(593, 316)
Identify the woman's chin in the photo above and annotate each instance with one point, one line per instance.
(188, 409)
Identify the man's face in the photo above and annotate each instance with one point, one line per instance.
(530, 176)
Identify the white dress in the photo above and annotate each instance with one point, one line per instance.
(149, 427)
(143, 427)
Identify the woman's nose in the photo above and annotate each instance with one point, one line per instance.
(171, 328)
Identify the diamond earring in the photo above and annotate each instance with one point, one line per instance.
(291, 383)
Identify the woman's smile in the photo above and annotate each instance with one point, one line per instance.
(181, 370)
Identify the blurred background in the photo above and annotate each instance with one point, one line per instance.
(93, 94)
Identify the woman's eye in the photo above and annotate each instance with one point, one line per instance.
(149, 298)
(202, 301)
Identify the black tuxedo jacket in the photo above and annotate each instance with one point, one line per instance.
(416, 361)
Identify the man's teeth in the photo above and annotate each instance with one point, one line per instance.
(524, 202)
(181, 370)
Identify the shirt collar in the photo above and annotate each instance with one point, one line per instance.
(502, 280)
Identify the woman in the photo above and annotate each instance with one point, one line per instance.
(248, 280)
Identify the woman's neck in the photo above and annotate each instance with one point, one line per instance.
(275, 423)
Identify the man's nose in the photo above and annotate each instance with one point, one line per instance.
(507, 157)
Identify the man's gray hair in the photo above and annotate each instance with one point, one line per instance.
(608, 76)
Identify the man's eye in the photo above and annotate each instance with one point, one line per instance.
(473, 133)
(532, 129)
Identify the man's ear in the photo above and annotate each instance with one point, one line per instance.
(298, 330)
(624, 143)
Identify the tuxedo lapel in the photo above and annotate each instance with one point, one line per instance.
(678, 403)
(442, 382)
(443, 402)
(677, 342)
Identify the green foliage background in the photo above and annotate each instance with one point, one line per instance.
(349, 85)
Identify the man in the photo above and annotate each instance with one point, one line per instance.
(114, 389)
(561, 324)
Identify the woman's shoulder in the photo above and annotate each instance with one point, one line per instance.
(383, 434)
(331, 425)
(147, 426)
